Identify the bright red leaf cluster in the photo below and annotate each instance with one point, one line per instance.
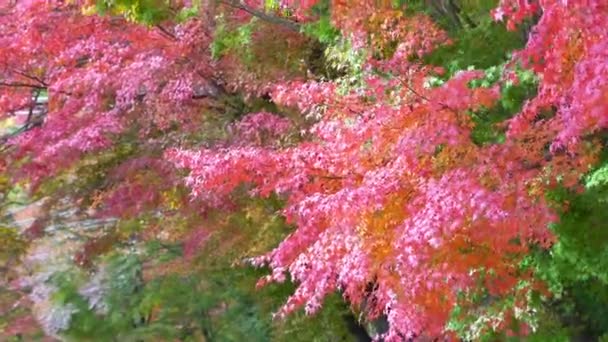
(568, 48)
(390, 191)
(392, 202)
(101, 76)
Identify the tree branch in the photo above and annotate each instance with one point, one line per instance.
(33, 78)
(166, 33)
(288, 24)
(33, 120)
(30, 113)
(22, 85)
(417, 94)
(42, 86)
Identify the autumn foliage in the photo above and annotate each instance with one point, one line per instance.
(373, 152)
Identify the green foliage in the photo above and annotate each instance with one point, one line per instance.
(151, 293)
(271, 5)
(219, 305)
(88, 174)
(484, 46)
(147, 12)
(512, 97)
(10, 193)
(487, 47)
(228, 39)
(188, 12)
(576, 267)
(478, 312)
(347, 62)
(322, 30)
(12, 245)
(582, 250)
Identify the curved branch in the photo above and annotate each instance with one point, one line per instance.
(288, 24)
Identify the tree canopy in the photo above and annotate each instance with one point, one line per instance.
(398, 170)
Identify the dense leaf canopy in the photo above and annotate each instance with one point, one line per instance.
(421, 169)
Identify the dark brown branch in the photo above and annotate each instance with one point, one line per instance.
(167, 34)
(33, 78)
(330, 177)
(288, 24)
(21, 85)
(20, 130)
(42, 86)
(30, 113)
(33, 119)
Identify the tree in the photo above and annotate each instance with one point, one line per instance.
(88, 153)
(416, 186)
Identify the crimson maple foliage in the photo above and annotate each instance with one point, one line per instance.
(392, 201)
(391, 191)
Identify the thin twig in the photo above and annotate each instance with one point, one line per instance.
(445, 106)
(33, 78)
